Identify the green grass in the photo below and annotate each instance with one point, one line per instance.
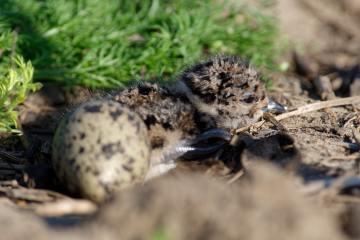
(15, 81)
(14, 87)
(110, 43)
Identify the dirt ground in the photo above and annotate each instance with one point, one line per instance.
(301, 183)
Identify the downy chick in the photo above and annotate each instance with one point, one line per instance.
(225, 90)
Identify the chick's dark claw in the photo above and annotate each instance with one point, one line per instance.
(204, 146)
(207, 144)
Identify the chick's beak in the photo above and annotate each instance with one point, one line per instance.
(274, 107)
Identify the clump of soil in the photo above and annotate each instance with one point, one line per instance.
(267, 206)
(17, 225)
(264, 206)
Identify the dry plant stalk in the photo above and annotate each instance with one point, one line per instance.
(45, 202)
(66, 206)
(236, 176)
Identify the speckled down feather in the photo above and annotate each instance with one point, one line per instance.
(161, 111)
(223, 92)
(226, 89)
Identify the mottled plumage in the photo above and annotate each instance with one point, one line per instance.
(188, 117)
(225, 90)
(170, 119)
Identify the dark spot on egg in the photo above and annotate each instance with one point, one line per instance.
(116, 114)
(112, 148)
(87, 169)
(81, 150)
(82, 135)
(131, 160)
(127, 168)
(95, 172)
(108, 150)
(93, 108)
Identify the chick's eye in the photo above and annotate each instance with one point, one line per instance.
(248, 97)
(228, 95)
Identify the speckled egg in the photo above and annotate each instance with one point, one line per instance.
(99, 148)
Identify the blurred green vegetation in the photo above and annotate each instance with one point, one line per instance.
(14, 87)
(109, 43)
(160, 234)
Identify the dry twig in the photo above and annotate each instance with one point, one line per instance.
(66, 206)
(236, 176)
(345, 199)
(45, 202)
(33, 195)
